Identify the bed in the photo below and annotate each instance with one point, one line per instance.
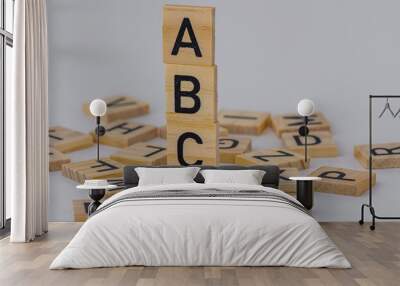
(198, 224)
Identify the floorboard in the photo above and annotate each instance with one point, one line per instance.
(375, 257)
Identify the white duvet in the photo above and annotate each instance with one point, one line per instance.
(194, 231)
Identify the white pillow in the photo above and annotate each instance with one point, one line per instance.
(248, 177)
(162, 176)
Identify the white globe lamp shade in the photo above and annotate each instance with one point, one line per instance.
(305, 107)
(98, 107)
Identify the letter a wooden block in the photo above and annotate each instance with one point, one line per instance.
(67, 140)
(120, 107)
(57, 159)
(123, 133)
(191, 91)
(142, 154)
(319, 143)
(244, 122)
(231, 146)
(191, 142)
(92, 169)
(285, 184)
(274, 156)
(383, 155)
(292, 121)
(188, 35)
(342, 181)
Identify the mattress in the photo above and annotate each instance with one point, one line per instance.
(201, 225)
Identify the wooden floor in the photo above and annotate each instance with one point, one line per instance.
(375, 257)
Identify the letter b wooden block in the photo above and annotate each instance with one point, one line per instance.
(191, 142)
(191, 91)
(188, 35)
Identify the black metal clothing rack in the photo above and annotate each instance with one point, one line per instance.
(370, 205)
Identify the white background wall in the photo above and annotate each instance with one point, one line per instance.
(270, 54)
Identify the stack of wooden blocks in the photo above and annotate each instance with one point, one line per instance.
(190, 85)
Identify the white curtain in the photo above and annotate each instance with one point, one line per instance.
(27, 123)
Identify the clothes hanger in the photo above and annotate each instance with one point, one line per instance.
(387, 107)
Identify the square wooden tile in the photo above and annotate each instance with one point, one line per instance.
(120, 107)
(67, 140)
(285, 184)
(57, 159)
(244, 122)
(274, 156)
(231, 146)
(188, 25)
(291, 122)
(124, 133)
(342, 181)
(144, 154)
(319, 143)
(384, 156)
(92, 169)
(191, 91)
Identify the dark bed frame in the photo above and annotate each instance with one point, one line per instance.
(270, 179)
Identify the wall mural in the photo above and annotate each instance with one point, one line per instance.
(196, 132)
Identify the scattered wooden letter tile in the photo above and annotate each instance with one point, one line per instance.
(320, 143)
(191, 91)
(191, 142)
(230, 146)
(67, 140)
(123, 133)
(92, 169)
(244, 122)
(188, 35)
(80, 209)
(292, 121)
(383, 155)
(342, 181)
(120, 107)
(162, 132)
(142, 154)
(57, 159)
(285, 184)
(223, 131)
(274, 156)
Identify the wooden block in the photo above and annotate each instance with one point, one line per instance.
(383, 155)
(188, 35)
(191, 142)
(80, 209)
(91, 169)
(57, 159)
(67, 140)
(320, 143)
(162, 132)
(231, 146)
(342, 181)
(292, 121)
(191, 91)
(120, 107)
(222, 131)
(285, 184)
(123, 133)
(142, 154)
(275, 156)
(244, 122)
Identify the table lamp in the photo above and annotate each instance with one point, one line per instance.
(98, 108)
(305, 108)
